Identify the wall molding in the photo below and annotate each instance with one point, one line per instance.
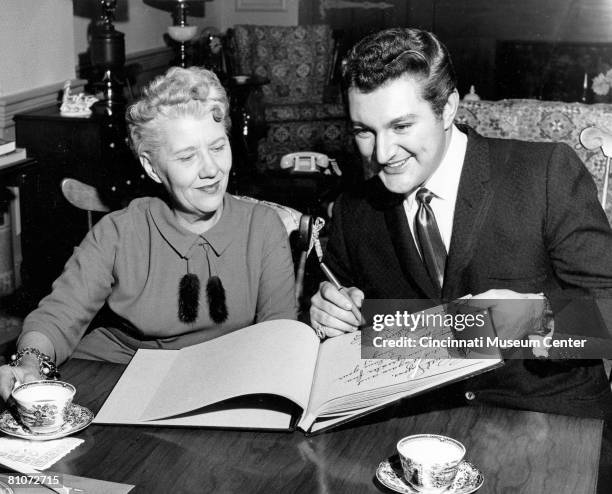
(147, 64)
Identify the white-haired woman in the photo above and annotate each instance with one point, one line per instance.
(167, 273)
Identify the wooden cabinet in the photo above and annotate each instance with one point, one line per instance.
(91, 149)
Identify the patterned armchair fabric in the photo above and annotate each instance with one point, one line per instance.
(533, 120)
(297, 61)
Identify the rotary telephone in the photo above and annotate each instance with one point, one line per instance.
(310, 162)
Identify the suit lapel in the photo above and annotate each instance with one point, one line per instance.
(408, 257)
(406, 250)
(473, 200)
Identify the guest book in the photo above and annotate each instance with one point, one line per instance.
(277, 375)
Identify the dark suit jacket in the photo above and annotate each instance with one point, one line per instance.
(527, 218)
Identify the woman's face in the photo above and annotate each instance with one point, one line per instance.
(193, 163)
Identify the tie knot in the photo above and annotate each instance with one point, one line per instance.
(424, 195)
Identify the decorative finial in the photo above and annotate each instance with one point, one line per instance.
(471, 96)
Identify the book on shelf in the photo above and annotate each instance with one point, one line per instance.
(13, 157)
(15, 214)
(278, 375)
(6, 146)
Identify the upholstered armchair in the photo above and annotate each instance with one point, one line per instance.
(298, 61)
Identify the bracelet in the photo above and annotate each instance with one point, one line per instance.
(546, 329)
(547, 323)
(46, 367)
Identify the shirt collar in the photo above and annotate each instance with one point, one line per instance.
(444, 181)
(182, 240)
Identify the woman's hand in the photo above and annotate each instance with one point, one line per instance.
(28, 370)
(515, 315)
(332, 311)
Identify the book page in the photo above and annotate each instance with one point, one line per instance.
(136, 387)
(273, 357)
(345, 383)
(138, 384)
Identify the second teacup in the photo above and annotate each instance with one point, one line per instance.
(43, 405)
(430, 461)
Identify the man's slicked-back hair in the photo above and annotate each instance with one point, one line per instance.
(395, 52)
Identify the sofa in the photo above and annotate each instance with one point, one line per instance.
(534, 120)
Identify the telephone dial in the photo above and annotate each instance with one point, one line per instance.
(309, 162)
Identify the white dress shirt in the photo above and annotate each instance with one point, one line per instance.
(444, 183)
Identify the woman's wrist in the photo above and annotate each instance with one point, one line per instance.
(36, 361)
(30, 363)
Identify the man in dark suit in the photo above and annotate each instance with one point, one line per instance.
(449, 213)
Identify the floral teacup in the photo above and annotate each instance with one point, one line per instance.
(43, 405)
(430, 461)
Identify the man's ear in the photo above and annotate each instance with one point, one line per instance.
(450, 109)
(145, 161)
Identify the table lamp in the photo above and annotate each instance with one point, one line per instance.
(108, 54)
(180, 31)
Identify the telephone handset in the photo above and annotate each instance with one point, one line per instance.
(309, 162)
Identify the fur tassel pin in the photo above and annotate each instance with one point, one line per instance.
(189, 298)
(215, 294)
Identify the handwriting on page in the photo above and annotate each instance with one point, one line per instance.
(418, 362)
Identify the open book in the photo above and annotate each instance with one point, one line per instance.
(277, 375)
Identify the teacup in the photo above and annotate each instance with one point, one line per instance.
(429, 461)
(43, 405)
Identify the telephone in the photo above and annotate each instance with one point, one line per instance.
(309, 162)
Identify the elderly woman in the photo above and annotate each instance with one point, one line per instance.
(166, 273)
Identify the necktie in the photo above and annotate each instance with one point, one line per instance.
(429, 239)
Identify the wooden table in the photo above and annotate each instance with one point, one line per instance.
(518, 452)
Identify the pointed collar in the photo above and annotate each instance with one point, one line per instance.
(182, 240)
(444, 181)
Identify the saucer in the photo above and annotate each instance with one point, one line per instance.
(78, 418)
(5, 489)
(389, 473)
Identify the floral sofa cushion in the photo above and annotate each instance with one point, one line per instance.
(533, 120)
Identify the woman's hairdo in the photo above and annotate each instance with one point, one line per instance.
(395, 52)
(179, 92)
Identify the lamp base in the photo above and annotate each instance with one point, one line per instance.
(112, 100)
(107, 50)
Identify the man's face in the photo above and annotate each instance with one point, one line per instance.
(398, 134)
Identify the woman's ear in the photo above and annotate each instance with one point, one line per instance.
(145, 161)
(450, 108)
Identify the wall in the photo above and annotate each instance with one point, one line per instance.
(41, 41)
(471, 29)
(356, 19)
(144, 26)
(35, 44)
(230, 16)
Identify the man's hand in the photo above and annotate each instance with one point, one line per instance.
(331, 309)
(515, 315)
